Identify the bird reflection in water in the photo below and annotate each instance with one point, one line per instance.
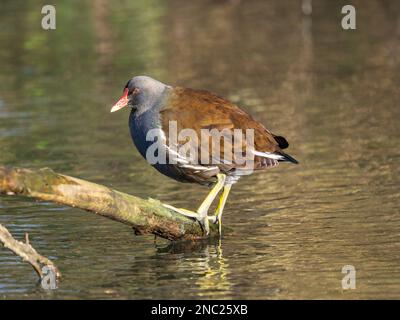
(206, 262)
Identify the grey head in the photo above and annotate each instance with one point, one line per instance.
(141, 93)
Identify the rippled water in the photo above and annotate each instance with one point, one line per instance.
(333, 93)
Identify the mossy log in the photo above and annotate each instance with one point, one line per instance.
(144, 216)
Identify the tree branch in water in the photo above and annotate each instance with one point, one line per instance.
(144, 216)
(27, 252)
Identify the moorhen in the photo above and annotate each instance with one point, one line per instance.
(158, 109)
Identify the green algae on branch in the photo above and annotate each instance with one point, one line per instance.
(144, 216)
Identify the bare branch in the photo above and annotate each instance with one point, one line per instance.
(27, 252)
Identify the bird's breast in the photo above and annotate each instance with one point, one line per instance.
(140, 127)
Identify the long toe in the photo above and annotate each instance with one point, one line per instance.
(184, 212)
(201, 218)
(204, 224)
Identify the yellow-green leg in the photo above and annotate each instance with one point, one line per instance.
(205, 205)
(201, 214)
(221, 205)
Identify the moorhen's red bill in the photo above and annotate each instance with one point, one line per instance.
(157, 109)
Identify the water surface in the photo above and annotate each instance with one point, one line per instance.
(333, 94)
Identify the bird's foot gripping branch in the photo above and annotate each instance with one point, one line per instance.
(144, 216)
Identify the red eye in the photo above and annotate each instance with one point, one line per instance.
(134, 91)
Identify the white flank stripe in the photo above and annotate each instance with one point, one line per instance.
(198, 167)
(268, 155)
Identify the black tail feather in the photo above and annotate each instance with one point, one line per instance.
(288, 158)
(282, 142)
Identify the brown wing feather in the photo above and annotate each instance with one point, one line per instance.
(200, 109)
